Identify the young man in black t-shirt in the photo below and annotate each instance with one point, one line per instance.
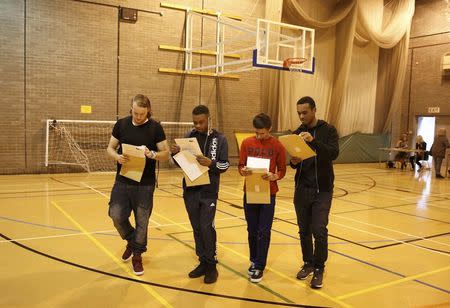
(128, 195)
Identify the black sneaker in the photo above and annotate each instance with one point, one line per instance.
(317, 280)
(256, 276)
(251, 269)
(438, 176)
(307, 269)
(199, 271)
(211, 274)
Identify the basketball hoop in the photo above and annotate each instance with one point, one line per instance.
(294, 64)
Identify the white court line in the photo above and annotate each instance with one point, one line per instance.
(97, 191)
(115, 231)
(52, 236)
(392, 230)
(378, 235)
(392, 239)
(107, 197)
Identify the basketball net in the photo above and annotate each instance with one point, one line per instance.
(294, 64)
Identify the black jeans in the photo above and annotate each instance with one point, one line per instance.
(312, 209)
(201, 212)
(259, 224)
(126, 198)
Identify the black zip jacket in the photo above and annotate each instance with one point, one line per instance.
(317, 172)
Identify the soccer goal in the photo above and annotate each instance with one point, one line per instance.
(83, 143)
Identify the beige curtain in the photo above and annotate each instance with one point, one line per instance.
(349, 35)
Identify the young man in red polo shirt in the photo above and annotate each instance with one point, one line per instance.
(260, 216)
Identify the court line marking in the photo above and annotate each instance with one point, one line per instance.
(393, 230)
(107, 197)
(390, 238)
(371, 233)
(388, 284)
(246, 299)
(150, 290)
(335, 300)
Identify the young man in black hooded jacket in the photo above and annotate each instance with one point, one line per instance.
(314, 179)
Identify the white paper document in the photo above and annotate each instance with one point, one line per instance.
(189, 144)
(191, 167)
(258, 163)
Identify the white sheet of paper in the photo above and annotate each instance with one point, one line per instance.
(188, 162)
(258, 163)
(189, 144)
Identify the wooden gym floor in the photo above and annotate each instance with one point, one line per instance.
(389, 245)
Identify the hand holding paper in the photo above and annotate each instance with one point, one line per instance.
(191, 167)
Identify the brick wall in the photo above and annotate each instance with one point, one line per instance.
(58, 55)
(425, 86)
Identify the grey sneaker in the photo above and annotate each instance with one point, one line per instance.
(306, 270)
(256, 276)
(317, 280)
(251, 269)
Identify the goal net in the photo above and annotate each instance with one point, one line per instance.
(82, 144)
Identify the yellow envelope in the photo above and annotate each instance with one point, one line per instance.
(257, 190)
(134, 167)
(201, 180)
(296, 146)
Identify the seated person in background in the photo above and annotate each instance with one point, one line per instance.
(420, 145)
(401, 156)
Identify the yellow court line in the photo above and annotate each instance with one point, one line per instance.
(268, 268)
(388, 284)
(111, 255)
(337, 301)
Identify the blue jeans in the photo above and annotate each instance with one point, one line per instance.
(259, 224)
(126, 198)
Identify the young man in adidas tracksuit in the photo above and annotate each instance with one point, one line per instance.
(201, 201)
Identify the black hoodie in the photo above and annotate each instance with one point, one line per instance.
(317, 172)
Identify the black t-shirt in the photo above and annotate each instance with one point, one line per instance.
(148, 134)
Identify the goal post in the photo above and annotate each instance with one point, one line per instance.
(83, 144)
